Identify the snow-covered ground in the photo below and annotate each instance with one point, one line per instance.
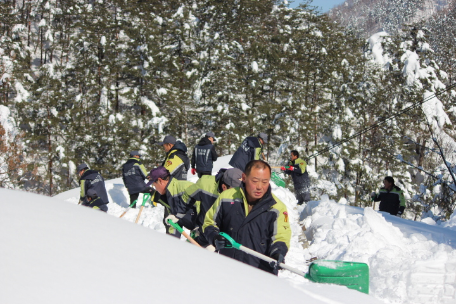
(54, 251)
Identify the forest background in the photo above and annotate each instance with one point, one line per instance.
(89, 81)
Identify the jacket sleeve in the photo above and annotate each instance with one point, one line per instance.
(214, 154)
(402, 199)
(173, 164)
(95, 203)
(377, 197)
(142, 170)
(212, 221)
(300, 167)
(258, 152)
(281, 231)
(191, 195)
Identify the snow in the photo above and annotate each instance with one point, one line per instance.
(7, 122)
(58, 251)
(375, 45)
(55, 251)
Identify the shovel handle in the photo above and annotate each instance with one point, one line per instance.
(139, 214)
(179, 228)
(124, 212)
(263, 257)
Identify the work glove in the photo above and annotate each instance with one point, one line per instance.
(172, 218)
(210, 248)
(401, 211)
(283, 168)
(193, 171)
(220, 242)
(279, 258)
(148, 190)
(195, 233)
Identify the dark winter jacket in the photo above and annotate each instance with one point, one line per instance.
(265, 229)
(96, 203)
(133, 175)
(250, 149)
(390, 201)
(201, 196)
(175, 205)
(204, 155)
(299, 174)
(177, 161)
(91, 179)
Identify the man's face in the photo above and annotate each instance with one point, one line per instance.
(387, 184)
(167, 147)
(256, 183)
(160, 186)
(293, 157)
(211, 139)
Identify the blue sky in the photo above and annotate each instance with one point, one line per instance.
(323, 5)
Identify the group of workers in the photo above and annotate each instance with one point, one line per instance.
(237, 201)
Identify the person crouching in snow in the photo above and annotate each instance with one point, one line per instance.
(94, 202)
(91, 179)
(171, 189)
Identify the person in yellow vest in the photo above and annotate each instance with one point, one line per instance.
(391, 198)
(176, 160)
(168, 193)
(297, 168)
(252, 216)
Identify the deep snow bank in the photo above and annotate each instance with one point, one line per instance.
(409, 262)
(55, 252)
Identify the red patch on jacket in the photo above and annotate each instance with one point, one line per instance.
(286, 216)
(169, 163)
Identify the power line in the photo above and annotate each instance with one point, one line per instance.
(375, 125)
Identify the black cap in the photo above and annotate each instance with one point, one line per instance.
(133, 153)
(264, 137)
(169, 139)
(155, 174)
(81, 167)
(232, 177)
(211, 134)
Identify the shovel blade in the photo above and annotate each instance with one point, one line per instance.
(350, 274)
(276, 179)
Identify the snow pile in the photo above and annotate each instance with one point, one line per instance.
(53, 252)
(409, 262)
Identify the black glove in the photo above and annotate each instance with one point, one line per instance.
(279, 258)
(401, 210)
(148, 190)
(219, 242)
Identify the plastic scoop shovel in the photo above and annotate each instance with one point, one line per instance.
(353, 275)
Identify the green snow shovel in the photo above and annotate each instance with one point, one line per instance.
(350, 274)
(276, 179)
(146, 197)
(179, 228)
(129, 207)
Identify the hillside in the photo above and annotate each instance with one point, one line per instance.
(371, 16)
